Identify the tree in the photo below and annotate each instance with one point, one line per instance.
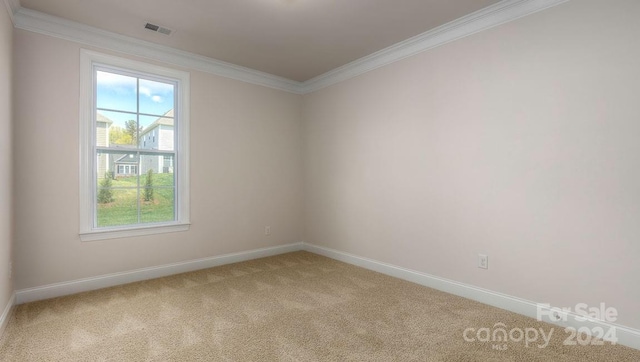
(118, 136)
(148, 186)
(105, 194)
(132, 130)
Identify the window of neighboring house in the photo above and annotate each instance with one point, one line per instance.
(141, 196)
(124, 170)
(167, 164)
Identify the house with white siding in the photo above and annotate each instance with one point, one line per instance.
(158, 135)
(102, 139)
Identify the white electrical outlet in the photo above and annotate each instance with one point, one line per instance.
(483, 261)
(267, 230)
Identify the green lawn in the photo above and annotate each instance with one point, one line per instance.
(124, 209)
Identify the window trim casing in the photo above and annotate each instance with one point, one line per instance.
(87, 139)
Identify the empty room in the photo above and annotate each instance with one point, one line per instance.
(306, 180)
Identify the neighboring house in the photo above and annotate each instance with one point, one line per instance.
(102, 139)
(158, 136)
(122, 159)
(126, 165)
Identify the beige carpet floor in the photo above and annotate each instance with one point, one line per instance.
(293, 307)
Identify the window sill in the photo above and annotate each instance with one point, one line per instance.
(132, 232)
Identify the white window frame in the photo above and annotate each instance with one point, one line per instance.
(88, 232)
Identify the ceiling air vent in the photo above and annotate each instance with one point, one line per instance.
(158, 29)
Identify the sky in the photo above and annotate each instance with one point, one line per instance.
(118, 92)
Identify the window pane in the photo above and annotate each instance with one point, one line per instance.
(127, 168)
(157, 204)
(115, 91)
(116, 207)
(157, 189)
(156, 97)
(168, 164)
(116, 129)
(121, 167)
(102, 168)
(156, 133)
(162, 167)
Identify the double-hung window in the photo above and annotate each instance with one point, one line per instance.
(134, 129)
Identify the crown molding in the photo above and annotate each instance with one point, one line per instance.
(489, 17)
(12, 8)
(42, 23)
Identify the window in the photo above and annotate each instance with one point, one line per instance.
(129, 186)
(123, 170)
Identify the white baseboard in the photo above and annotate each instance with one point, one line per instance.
(626, 336)
(110, 280)
(6, 314)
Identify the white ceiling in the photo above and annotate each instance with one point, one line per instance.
(295, 39)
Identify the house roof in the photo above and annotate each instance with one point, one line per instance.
(102, 118)
(129, 158)
(165, 120)
(125, 148)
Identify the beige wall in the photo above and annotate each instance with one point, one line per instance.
(521, 142)
(6, 236)
(246, 172)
